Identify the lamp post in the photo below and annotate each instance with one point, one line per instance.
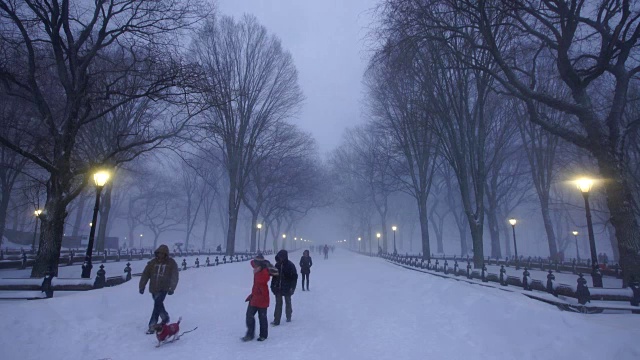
(378, 236)
(295, 243)
(33, 244)
(259, 226)
(359, 244)
(513, 221)
(140, 241)
(100, 178)
(584, 185)
(284, 237)
(394, 228)
(575, 235)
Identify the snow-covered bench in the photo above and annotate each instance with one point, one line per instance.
(36, 288)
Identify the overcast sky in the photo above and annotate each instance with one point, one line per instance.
(327, 41)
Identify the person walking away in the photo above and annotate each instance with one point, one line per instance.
(258, 299)
(326, 252)
(162, 274)
(283, 286)
(305, 268)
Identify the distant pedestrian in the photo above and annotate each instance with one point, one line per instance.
(305, 268)
(258, 299)
(162, 274)
(326, 251)
(283, 285)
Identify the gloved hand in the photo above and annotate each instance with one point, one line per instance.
(170, 292)
(141, 291)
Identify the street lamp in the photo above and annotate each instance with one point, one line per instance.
(575, 235)
(141, 241)
(33, 244)
(100, 178)
(284, 237)
(513, 221)
(259, 226)
(584, 185)
(359, 244)
(394, 228)
(378, 236)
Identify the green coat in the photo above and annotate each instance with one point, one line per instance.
(162, 275)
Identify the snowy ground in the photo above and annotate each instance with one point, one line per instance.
(359, 308)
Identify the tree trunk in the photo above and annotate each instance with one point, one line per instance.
(494, 232)
(233, 222)
(4, 206)
(548, 226)
(438, 227)
(476, 228)
(462, 230)
(424, 229)
(621, 207)
(440, 235)
(206, 227)
(51, 230)
(264, 240)
(131, 238)
(254, 221)
(614, 242)
(77, 225)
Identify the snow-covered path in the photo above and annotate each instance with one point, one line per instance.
(358, 308)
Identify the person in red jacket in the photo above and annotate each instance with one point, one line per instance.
(259, 299)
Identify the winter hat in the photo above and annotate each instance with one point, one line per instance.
(259, 257)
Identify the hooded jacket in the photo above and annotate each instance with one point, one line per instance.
(287, 279)
(260, 291)
(161, 274)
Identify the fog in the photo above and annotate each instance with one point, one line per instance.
(322, 120)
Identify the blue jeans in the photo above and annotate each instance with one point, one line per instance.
(251, 321)
(158, 308)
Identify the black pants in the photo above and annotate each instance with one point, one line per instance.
(305, 277)
(251, 321)
(277, 314)
(158, 308)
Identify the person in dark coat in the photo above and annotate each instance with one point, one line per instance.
(305, 268)
(258, 299)
(162, 275)
(283, 285)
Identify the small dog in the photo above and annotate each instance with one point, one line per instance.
(166, 331)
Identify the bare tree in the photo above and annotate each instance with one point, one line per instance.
(592, 48)
(253, 83)
(366, 156)
(11, 164)
(192, 186)
(463, 107)
(161, 210)
(502, 175)
(83, 60)
(281, 157)
(398, 88)
(541, 147)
